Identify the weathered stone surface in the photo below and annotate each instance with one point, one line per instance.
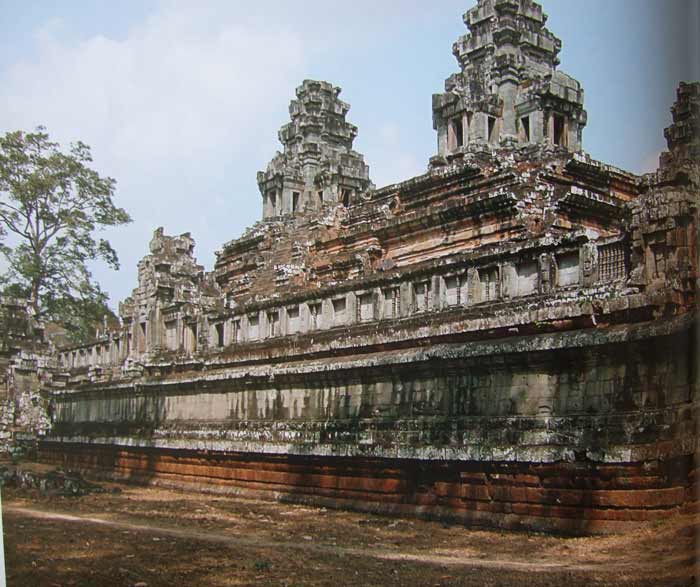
(562, 497)
(318, 167)
(508, 339)
(26, 369)
(509, 90)
(56, 482)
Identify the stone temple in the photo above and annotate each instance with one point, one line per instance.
(507, 340)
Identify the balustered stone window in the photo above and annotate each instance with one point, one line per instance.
(490, 284)
(612, 263)
(314, 316)
(273, 324)
(455, 290)
(392, 302)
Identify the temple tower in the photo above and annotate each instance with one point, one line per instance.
(318, 167)
(683, 136)
(509, 91)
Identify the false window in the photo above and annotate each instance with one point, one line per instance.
(525, 126)
(528, 277)
(339, 307)
(493, 130)
(559, 130)
(142, 337)
(422, 296)
(191, 337)
(171, 335)
(365, 308)
(568, 269)
(293, 319)
(219, 328)
(253, 327)
(457, 126)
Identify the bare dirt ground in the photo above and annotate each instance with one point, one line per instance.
(147, 537)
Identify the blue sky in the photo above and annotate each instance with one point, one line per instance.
(181, 101)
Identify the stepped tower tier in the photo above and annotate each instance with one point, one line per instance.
(318, 167)
(683, 136)
(509, 91)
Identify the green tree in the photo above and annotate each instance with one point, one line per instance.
(52, 204)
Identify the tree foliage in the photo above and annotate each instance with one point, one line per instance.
(52, 204)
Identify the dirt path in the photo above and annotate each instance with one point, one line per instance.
(380, 554)
(149, 537)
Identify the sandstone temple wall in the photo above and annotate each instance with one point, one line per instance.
(26, 368)
(549, 398)
(509, 339)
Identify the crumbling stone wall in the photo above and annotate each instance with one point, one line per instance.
(556, 397)
(7, 421)
(26, 367)
(508, 338)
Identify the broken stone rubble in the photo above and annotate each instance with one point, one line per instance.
(54, 483)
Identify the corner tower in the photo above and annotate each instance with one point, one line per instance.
(318, 167)
(509, 91)
(683, 136)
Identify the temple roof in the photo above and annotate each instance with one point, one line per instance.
(508, 62)
(318, 166)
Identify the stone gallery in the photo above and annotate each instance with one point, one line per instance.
(507, 340)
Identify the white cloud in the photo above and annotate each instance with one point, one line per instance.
(184, 107)
(169, 111)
